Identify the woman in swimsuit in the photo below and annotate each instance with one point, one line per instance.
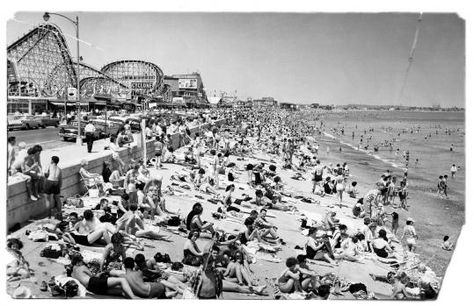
(340, 182)
(194, 222)
(289, 280)
(114, 251)
(380, 245)
(192, 254)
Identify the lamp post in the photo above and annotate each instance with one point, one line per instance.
(46, 17)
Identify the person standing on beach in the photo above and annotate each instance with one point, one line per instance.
(89, 130)
(327, 150)
(445, 190)
(52, 186)
(410, 235)
(318, 174)
(440, 186)
(454, 169)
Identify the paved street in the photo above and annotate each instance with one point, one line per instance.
(48, 138)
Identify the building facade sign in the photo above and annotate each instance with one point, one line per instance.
(187, 83)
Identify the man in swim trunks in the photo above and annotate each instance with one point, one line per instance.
(99, 285)
(318, 174)
(86, 231)
(139, 287)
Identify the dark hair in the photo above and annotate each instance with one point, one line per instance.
(343, 227)
(117, 238)
(104, 200)
(129, 263)
(324, 290)
(31, 151)
(74, 214)
(263, 209)
(192, 233)
(383, 234)
(76, 258)
(360, 236)
(201, 171)
(258, 193)
(55, 159)
(248, 221)
(196, 210)
(133, 207)
(62, 225)
(38, 148)
(11, 138)
(366, 220)
(229, 187)
(13, 241)
(290, 262)
(354, 184)
(88, 215)
(300, 258)
(176, 266)
(139, 258)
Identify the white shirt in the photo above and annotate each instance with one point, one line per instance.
(19, 159)
(90, 128)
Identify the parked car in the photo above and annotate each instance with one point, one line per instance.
(103, 130)
(24, 122)
(48, 121)
(133, 121)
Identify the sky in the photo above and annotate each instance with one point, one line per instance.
(294, 57)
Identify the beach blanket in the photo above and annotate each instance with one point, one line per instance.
(90, 256)
(61, 280)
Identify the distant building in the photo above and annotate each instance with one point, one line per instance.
(264, 102)
(172, 84)
(288, 106)
(191, 88)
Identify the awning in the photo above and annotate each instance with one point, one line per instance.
(57, 103)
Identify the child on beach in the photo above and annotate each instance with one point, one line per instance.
(394, 223)
(403, 194)
(410, 234)
(447, 245)
(445, 190)
(454, 169)
(289, 280)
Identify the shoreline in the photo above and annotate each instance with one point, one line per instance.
(431, 220)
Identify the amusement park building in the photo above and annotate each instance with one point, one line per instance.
(40, 70)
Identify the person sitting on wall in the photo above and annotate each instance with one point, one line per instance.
(125, 136)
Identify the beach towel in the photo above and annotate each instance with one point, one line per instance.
(90, 256)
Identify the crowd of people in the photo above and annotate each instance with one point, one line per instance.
(224, 264)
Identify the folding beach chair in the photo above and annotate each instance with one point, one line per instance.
(89, 183)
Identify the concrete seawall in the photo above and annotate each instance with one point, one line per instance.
(20, 208)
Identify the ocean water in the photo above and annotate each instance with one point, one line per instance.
(434, 217)
(427, 136)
